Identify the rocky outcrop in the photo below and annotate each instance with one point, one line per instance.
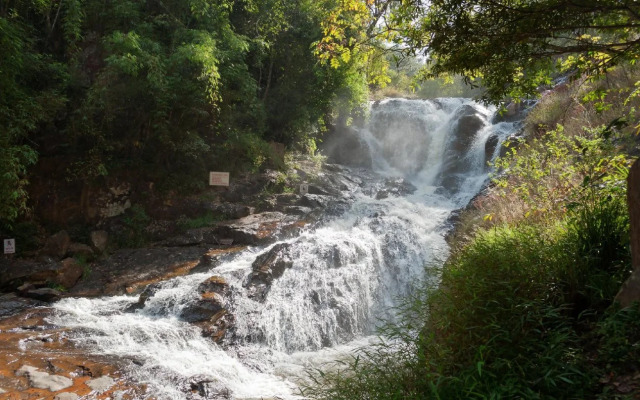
(15, 273)
(267, 267)
(468, 123)
(259, 229)
(211, 311)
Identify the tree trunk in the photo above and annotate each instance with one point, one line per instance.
(630, 290)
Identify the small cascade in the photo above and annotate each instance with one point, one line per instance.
(332, 284)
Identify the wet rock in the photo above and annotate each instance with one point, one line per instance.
(382, 194)
(66, 396)
(314, 201)
(11, 304)
(267, 267)
(81, 250)
(215, 284)
(42, 380)
(146, 294)
(99, 240)
(69, 273)
(490, 148)
(399, 187)
(467, 125)
(129, 271)
(101, 384)
(43, 294)
(57, 245)
(204, 309)
(257, 229)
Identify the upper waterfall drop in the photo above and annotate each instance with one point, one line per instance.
(444, 142)
(324, 291)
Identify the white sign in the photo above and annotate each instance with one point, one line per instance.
(304, 188)
(218, 178)
(9, 246)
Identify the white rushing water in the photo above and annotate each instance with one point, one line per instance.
(343, 277)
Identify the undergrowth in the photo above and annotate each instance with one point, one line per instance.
(525, 308)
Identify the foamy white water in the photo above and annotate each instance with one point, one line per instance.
(344, 277)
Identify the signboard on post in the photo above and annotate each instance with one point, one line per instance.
(218, 178)
(9, 246)
(304, 188)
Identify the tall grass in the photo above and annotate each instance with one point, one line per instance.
(525, 308)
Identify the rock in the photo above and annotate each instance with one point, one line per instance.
(399, 187)
(490, 148)
(66, 396)
(69, 273)
(99, 241)
(11, 304)
(57, 245)
(129, 271)
(212, 304)
(146, 294)
(215, 284)
(382, 194)
(205, 309)
(81, 250)
(42, 380)
(267, 267)
(100, 384)
(2, 391)
(43, 294)
(257, 229)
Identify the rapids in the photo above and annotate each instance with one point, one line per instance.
(344, 277)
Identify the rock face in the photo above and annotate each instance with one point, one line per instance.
(630, 291)
(468, 123)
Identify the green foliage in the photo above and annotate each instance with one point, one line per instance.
(207, 219)
(134, 232)
(168, 90)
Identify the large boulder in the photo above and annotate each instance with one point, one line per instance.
(211, 311)
(57, 245)
(99, 240)
(69, 273)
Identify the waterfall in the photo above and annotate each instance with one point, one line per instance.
(340, 279)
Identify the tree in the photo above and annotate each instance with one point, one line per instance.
(514, 46)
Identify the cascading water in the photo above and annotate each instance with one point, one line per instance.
(340, 278)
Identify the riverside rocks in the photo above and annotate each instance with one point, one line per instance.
(267, 267)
